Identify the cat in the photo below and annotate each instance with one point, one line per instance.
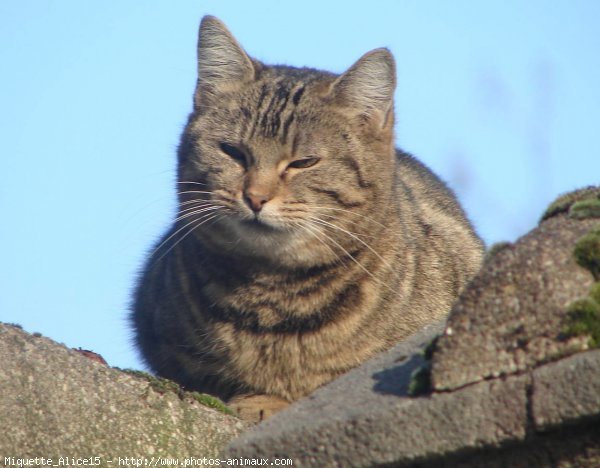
(305, 243)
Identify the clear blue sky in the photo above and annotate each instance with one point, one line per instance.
(501, 98)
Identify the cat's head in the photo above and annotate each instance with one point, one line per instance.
(291, 164)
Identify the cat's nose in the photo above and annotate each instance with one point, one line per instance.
(255, 201)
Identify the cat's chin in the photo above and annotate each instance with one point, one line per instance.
(277, 243)
(260, 225)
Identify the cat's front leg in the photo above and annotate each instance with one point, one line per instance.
(257, 408)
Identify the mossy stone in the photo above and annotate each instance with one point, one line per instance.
(585, 209)
(158, 384)
(212, 402)
(564, 203)
(162, 386)
(584, 314)
(584, 319)
(420, 381)
(430, 348)
(595, 292)
(587, 252)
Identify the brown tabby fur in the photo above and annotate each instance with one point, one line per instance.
(305, 243)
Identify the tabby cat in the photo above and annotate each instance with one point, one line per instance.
(305, 243)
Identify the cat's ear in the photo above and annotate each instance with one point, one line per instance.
(367, 87)
(222, 63)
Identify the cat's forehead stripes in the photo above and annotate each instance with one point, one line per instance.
(273, 110)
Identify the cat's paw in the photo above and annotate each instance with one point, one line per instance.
(257, 408)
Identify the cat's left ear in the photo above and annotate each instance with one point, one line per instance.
(222, 62)
(367, 87)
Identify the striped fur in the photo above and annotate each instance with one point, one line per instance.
(355, 245)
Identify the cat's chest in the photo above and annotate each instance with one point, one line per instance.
(292, 364)
(281, 304)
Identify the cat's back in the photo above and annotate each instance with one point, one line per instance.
(419, 183)
(438, 226)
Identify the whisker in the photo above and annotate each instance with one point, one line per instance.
(188, 182)
(353, 222)
(351, 212)
(360, 265)
(219, 217)
(202, 210)
(198, 200)
(326, 223)
(174, 234)
(196, 204)
(197, 207)
(198, 223)
(313, 231)
(193, 191)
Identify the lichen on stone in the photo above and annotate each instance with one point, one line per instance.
(571, 203)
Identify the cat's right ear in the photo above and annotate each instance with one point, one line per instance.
(222, 63)
(367, 87)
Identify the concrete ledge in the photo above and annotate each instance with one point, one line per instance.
(56, 402)
(378, 428)
(566, 391)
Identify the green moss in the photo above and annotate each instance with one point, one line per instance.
(587, 252)
(163, 386)
(585, 209)
(564, 203)
(420, 381)
(595, 292)
(137, 373)
(158, 384)
(584, 318)
(212, 402)
(430, 348)
(584, 314)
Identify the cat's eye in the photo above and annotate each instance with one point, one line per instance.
(233, 152)
(303, 163)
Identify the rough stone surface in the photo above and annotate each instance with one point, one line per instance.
(570, 447)
(570, 203)
(510, 318)
(55, 402)
(499, 422)
(568, 391)
(366, 418)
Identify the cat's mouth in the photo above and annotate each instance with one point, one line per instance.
(258, 223)
(262, 224)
